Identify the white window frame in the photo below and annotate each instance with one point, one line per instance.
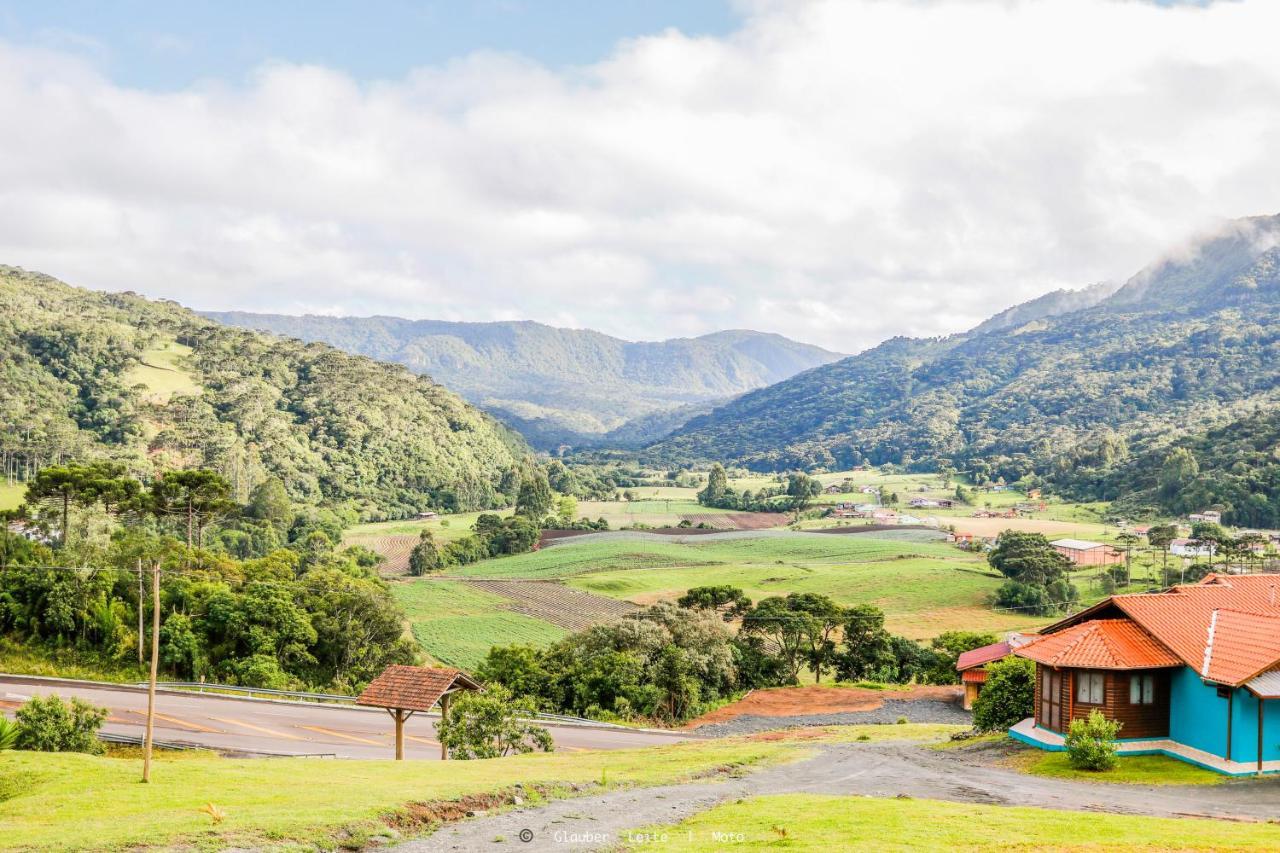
(1142, 689)
(1091, 687)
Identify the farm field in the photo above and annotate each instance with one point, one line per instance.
(457, 623)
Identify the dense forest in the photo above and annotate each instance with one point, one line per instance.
(1082, 399)
(87, 375)
(563, 386)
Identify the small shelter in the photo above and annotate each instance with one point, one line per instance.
(404, 690)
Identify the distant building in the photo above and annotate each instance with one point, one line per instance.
(944, 503)
(422, 516)
(972, 665)
(833, 489)
(1209, 515)
(1191, 548)
(1084, 553)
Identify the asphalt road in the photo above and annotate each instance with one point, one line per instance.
(254, 726)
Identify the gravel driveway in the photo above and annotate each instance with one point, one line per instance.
(602, 821)
(892, 710)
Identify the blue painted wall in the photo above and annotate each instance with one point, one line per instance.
(1198, 718)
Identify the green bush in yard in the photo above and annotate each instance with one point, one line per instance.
(1091, 743)
(1007, 697)
(8, 733)
(48, 724)
(490, 725)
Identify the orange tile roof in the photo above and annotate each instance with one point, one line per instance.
(982, 655)
(1100, 644)
(1243, 609)
(413, 688)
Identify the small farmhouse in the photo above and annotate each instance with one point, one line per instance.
(1085, 553)
(1192, 672)
(972, 665)
(1210, 516)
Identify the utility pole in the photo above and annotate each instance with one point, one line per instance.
(142, 594)
(155, 660)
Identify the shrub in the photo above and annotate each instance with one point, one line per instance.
(8, 733)
(1091, 743)
(1008, 696)
(47, 724)
(489, 725)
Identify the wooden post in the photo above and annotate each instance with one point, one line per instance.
(142, 594)
(155, 661)
(444, 712)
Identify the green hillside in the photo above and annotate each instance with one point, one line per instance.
(1188, 344)
(563, 386)
(86, 374)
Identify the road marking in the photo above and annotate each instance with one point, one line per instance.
(423, 740)
(271, 732)
(341, 735)
(181, 722)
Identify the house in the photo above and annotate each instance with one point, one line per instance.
(960, 538)
(870, 490)
(426, 515)
(1191, 548)
(972, 665)
(1208, 515)
(1034, 494)
(1192, 672)
(922, 503)
(1084, 553)
(833, 489)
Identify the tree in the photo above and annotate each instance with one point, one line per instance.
(948, 646)
(425, 556)
(866, 643)
(517, 668)
(1178, 471)
(488, 725)
(801, 490)
(774, 619)
(1028, 558)
(270, 502)
(1091, 742)
(1160, 536)
(567, 508)
(197, 495)
(713, 493)
(729, 601)
(825, 618)
(534, 500)
(63, 485)
(1007, 697)
(1212, 534)
(1127, 541)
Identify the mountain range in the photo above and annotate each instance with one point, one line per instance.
(1066, 387)
(153, 385)
(562, 386)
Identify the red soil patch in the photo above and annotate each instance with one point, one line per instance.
(801, 701)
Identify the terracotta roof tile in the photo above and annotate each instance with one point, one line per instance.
(979, 656)
(1100, 644)
(974, 676)
(414, 688)
(1241, 646)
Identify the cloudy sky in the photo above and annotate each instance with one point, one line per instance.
(835, 171)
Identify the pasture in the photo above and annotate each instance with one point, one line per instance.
(163, 373)
(11, 495)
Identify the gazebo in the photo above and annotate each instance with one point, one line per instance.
(403, 690)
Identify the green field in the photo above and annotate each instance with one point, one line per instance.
(11, 495)
(67, 801)
(924, 588)
(163, 372)
(457, 624)
(821, 823)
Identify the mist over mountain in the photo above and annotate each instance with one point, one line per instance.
(562, 386)
(1065, 386)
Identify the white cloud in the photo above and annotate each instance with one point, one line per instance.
(835, 171)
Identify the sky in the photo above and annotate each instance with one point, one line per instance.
(838, 171)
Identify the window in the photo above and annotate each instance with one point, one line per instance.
(1090, 688)
(1142, 690)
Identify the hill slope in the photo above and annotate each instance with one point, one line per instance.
(1186, 344)
(562, 385)
(155, 385)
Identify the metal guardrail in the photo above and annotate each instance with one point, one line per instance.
(201, 686)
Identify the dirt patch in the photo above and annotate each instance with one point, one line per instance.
(416, 816)
(552, 601)
(739, 520)
(812, 733)
(814, 699)
(395, 551)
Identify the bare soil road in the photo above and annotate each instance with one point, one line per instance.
(894, 769)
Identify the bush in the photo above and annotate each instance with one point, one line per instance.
(8, 733)
(1091, 743)
(1008, 695)
(47, 724)
(489, 725)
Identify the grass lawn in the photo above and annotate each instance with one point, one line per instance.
(11, 495)
(164, 372)
(68, 801)
(457, 624)
(1133, 769)
(825, 823)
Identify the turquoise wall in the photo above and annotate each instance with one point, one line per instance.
(1198, 718)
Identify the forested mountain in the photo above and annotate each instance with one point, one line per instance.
(151, 384)
(562, 386)
(1188, 344)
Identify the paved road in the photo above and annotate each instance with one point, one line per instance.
(236, 724)
(603, 821)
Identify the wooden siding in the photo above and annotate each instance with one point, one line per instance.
(1138, 720)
